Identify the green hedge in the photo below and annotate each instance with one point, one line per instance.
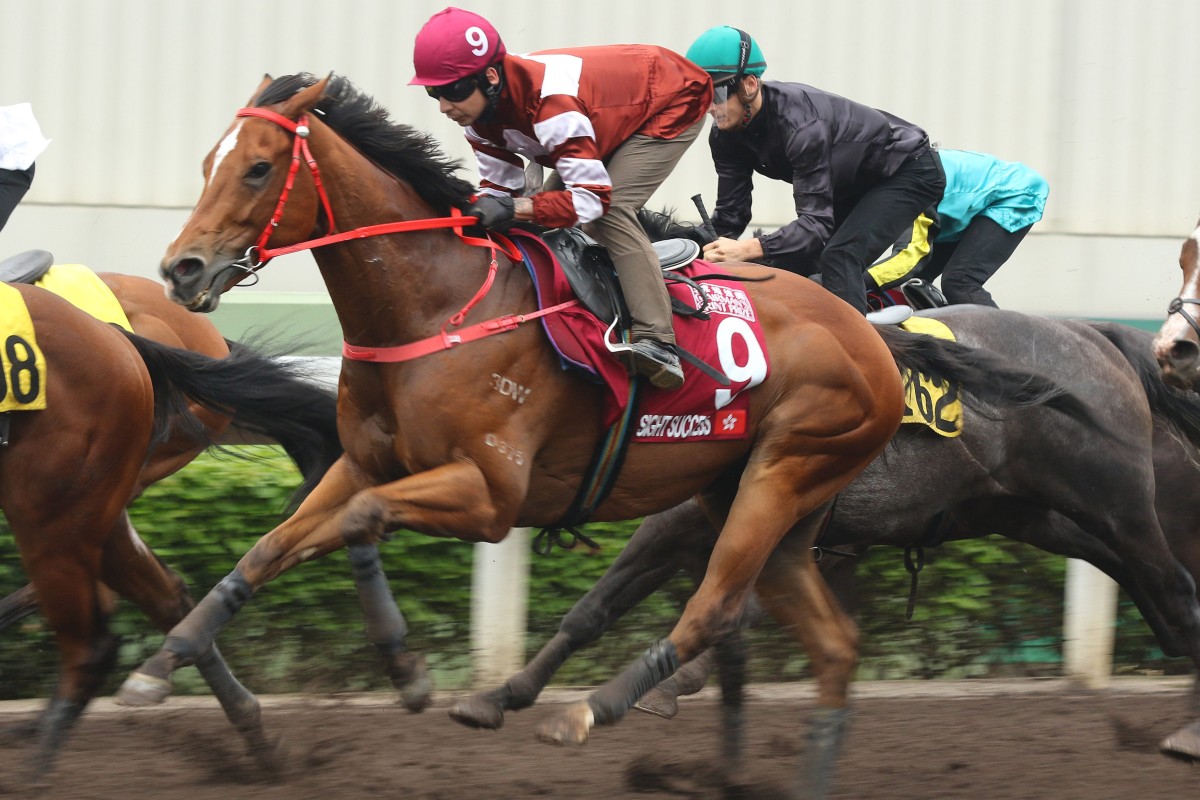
(985, 607)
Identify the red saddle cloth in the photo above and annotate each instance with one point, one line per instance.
(731, 341)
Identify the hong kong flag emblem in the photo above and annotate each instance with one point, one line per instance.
(730, 423)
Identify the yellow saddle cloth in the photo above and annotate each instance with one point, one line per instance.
(934, 404)
(83, 289)
(24, 366)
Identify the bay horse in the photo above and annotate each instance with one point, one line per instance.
(432, 447)
(1052, 481)
(1177, 346)
(112, 428)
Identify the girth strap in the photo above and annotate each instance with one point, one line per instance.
(601, 476)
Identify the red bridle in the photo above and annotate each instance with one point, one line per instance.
(257, 255)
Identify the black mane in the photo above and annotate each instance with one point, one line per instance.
(402, 150)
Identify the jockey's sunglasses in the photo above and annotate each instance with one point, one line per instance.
(455, 92)
(722, 87)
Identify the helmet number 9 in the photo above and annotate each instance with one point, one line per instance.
(477, 39)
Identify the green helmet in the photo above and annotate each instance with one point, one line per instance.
(727, 50)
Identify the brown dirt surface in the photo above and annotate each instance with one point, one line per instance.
(976, 740)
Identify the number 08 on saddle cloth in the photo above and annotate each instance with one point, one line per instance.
(730, 340)
(23, 377)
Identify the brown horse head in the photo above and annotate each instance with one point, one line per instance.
(1177, 346)
(250, 165)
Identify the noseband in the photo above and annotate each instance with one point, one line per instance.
(256, 256)
(1176, 307)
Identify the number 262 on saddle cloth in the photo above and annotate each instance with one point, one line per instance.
(730, 340)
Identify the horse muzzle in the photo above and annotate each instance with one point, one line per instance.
(190, 281)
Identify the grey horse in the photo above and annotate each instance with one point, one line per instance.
(1080, 488)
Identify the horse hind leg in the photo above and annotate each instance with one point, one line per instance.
(807, 609)
(130, 568)
(770, 498)
(658, 549)
(77, 610)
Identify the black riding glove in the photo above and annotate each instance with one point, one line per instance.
(493, 211)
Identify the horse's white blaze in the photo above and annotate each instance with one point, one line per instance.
(224, 148)
(1176, 328)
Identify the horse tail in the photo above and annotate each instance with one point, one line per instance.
(18, 605)
(980, 374)
(261, 395)
(1179, 407)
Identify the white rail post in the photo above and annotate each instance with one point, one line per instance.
(1089, 625)
(499, 599)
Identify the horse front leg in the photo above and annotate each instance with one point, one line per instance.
(313, 531)
(657, 550)
(453, 499)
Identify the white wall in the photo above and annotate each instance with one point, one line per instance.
(1099, 95)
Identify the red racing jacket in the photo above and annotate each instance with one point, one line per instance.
(570, 109)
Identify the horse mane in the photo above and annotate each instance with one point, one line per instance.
(401, 150)
(1176, 407)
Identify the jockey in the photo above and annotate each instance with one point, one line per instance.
(859, 176)
(986, 209)
(21, 142)
(612, 121)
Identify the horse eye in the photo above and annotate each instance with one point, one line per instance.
(259, 170)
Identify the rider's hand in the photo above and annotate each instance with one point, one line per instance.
(725, 249)
(493, 211)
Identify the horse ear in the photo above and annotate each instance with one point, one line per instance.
(305, 99)
(266, 81)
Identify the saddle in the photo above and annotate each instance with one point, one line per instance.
(27, 267)
(590, 272)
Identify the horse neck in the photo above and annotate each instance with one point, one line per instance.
(396, 288)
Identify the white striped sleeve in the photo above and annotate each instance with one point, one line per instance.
(554, 131)
(581, 176)
(499, 172)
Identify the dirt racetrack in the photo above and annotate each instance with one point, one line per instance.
(974, 740)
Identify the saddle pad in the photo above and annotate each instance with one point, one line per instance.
(934, 404)
(24, 367)
(731, 340)
(83, 289)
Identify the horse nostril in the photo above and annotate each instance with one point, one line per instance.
(1183, 351)
(186, 267)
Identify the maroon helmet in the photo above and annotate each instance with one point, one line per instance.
(452, 45)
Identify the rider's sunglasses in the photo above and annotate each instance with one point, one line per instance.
(721, 89)
(455, 92)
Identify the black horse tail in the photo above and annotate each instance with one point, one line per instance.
(981, 375)
(1178, 407)
(18, 605)
(262, 395)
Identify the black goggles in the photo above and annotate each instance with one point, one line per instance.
(722, 88)
(455, 92)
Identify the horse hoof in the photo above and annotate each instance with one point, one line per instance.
(140, 689)
(410, 676)
(269, 758)
(417, 695)
(479, 711)
(569, 727)
(659, 703)
(1183, 743)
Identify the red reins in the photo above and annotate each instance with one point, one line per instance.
(258, 255)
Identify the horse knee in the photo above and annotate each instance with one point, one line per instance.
(362, 520)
